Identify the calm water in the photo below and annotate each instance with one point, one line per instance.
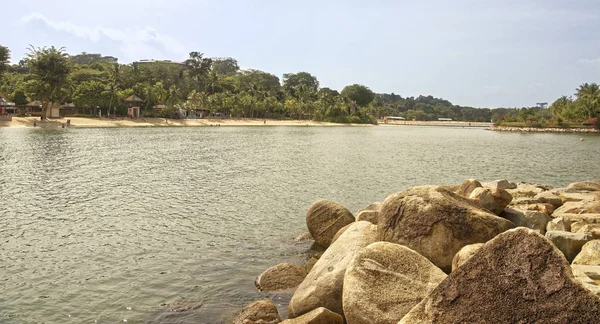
(105, 225)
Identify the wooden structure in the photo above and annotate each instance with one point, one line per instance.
(7, 108)
(133, 106)
(34, 108)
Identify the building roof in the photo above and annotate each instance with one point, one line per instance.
(68, 105)
(133, 98)
(35, 103)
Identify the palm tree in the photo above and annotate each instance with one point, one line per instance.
(115, 76)
(590, 96)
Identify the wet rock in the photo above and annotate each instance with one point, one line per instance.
(437, 223)
(371, 216)
(325, 218)
(280, 277)
(322, 287)
(517, 277)
(465, 254)
(259, 312)
(549, 197)
(467, 187)
(320, 315)
(583, 186)
(385, 281)
(558, 224)
(531, 219)
(568, 243)
(589, 255)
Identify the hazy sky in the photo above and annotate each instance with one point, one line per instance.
(472, 52)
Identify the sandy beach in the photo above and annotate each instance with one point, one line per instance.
(81, 122)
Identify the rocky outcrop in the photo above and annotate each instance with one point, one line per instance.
(586, 282)
(526, 190)
(467, 187)
(494, 200)
(374, 206)
(280, 277)
(339, 233)
(589, 255)
(517, 277)
(500, 184)
(385, 281)
(371, 216)
(324, 218)
(549, 197)
(259, 312)
(320, 315)
(583, 186)
(436, 223)
(593, 229)
(310, 264)
(558, 224)
(465, 254)
(322, 287)
(568, 243)
(531, 219)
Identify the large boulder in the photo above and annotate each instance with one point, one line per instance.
(467, 187)
(558, 224)
(320, 315)
(322, 287)
(526, 190)
(500, 184)
(259, 312)
(465, 254)
(539, 207)
(437, 223)
(589, 255)
(579, 196)
(518, 277)
(568, 243)
(324, 218)
(583, 186)
(374, 206)
(578, 207)
(531, 219)
(371, 216)
(585, 281)
(310, 264)
(549, 197)
(280, 277)
(494, 200)
(385, 281)
(339, 233)
(593, 229)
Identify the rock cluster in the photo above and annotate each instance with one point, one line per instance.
(493, 252)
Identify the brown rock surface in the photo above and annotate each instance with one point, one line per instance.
(371, 216)
(531, 219)
(568, 243)
(280, 277)
(589, 255)
(324, 218)
(518, 277)
(437, 223)
(259, 312)
(583, 186)
(320, 315)
(493, 200)
(385, 281)
(467, 187)
(465, 254)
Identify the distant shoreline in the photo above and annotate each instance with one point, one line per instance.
(83, 122)
(544, 130)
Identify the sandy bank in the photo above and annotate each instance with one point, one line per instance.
(545, 130)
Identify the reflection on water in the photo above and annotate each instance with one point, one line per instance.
(103, 225)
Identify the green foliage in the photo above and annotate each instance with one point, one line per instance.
(359, 94)
(226, 66)
(50, 70)
(302, 85)
(4, 59)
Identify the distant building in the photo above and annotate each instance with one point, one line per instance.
(147, 61)
(395, 118)
(445, 119)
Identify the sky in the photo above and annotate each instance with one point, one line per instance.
(501, 53)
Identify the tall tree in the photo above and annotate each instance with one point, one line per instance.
(225, 66)
(50, 68)
(301, 83)
(359, 94)
(4, 59)
(589, 94)
(199, 66)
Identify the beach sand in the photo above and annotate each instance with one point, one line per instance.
(80, 122)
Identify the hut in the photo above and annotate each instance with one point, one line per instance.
(34, 108)
(68, 109)
(7, 108)
(133, 106)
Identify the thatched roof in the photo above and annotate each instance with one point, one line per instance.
(133, 98)
(35, 103)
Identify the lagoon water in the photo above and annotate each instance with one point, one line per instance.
(105, 225)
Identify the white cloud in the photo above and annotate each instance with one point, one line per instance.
(135, 42)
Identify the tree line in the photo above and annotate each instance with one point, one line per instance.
(87, 80)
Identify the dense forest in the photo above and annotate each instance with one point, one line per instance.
(51, 76)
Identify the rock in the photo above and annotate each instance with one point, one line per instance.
(325, 218)
(586, 282)
(593, 229)
(526, 190)
(280, 277)
(385, 281)
(320, 315)
(558, 224)
(531, 219)
(304, 237)
(493, 200)
(545, 208)
(500, 184)
(568, 243)
(467, 187)
(593, 272)
(465, 254)
(339, 233)
(310, 264)
(517, 277)
(578, 207)
(579, 196)
(322, 287)
(436, 223)
(259, 312)
(589, 255)
(371, 216)
(374, 206)
(549, 197)
(583, 186)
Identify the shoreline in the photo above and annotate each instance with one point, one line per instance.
(84, 122)
(544, 130)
